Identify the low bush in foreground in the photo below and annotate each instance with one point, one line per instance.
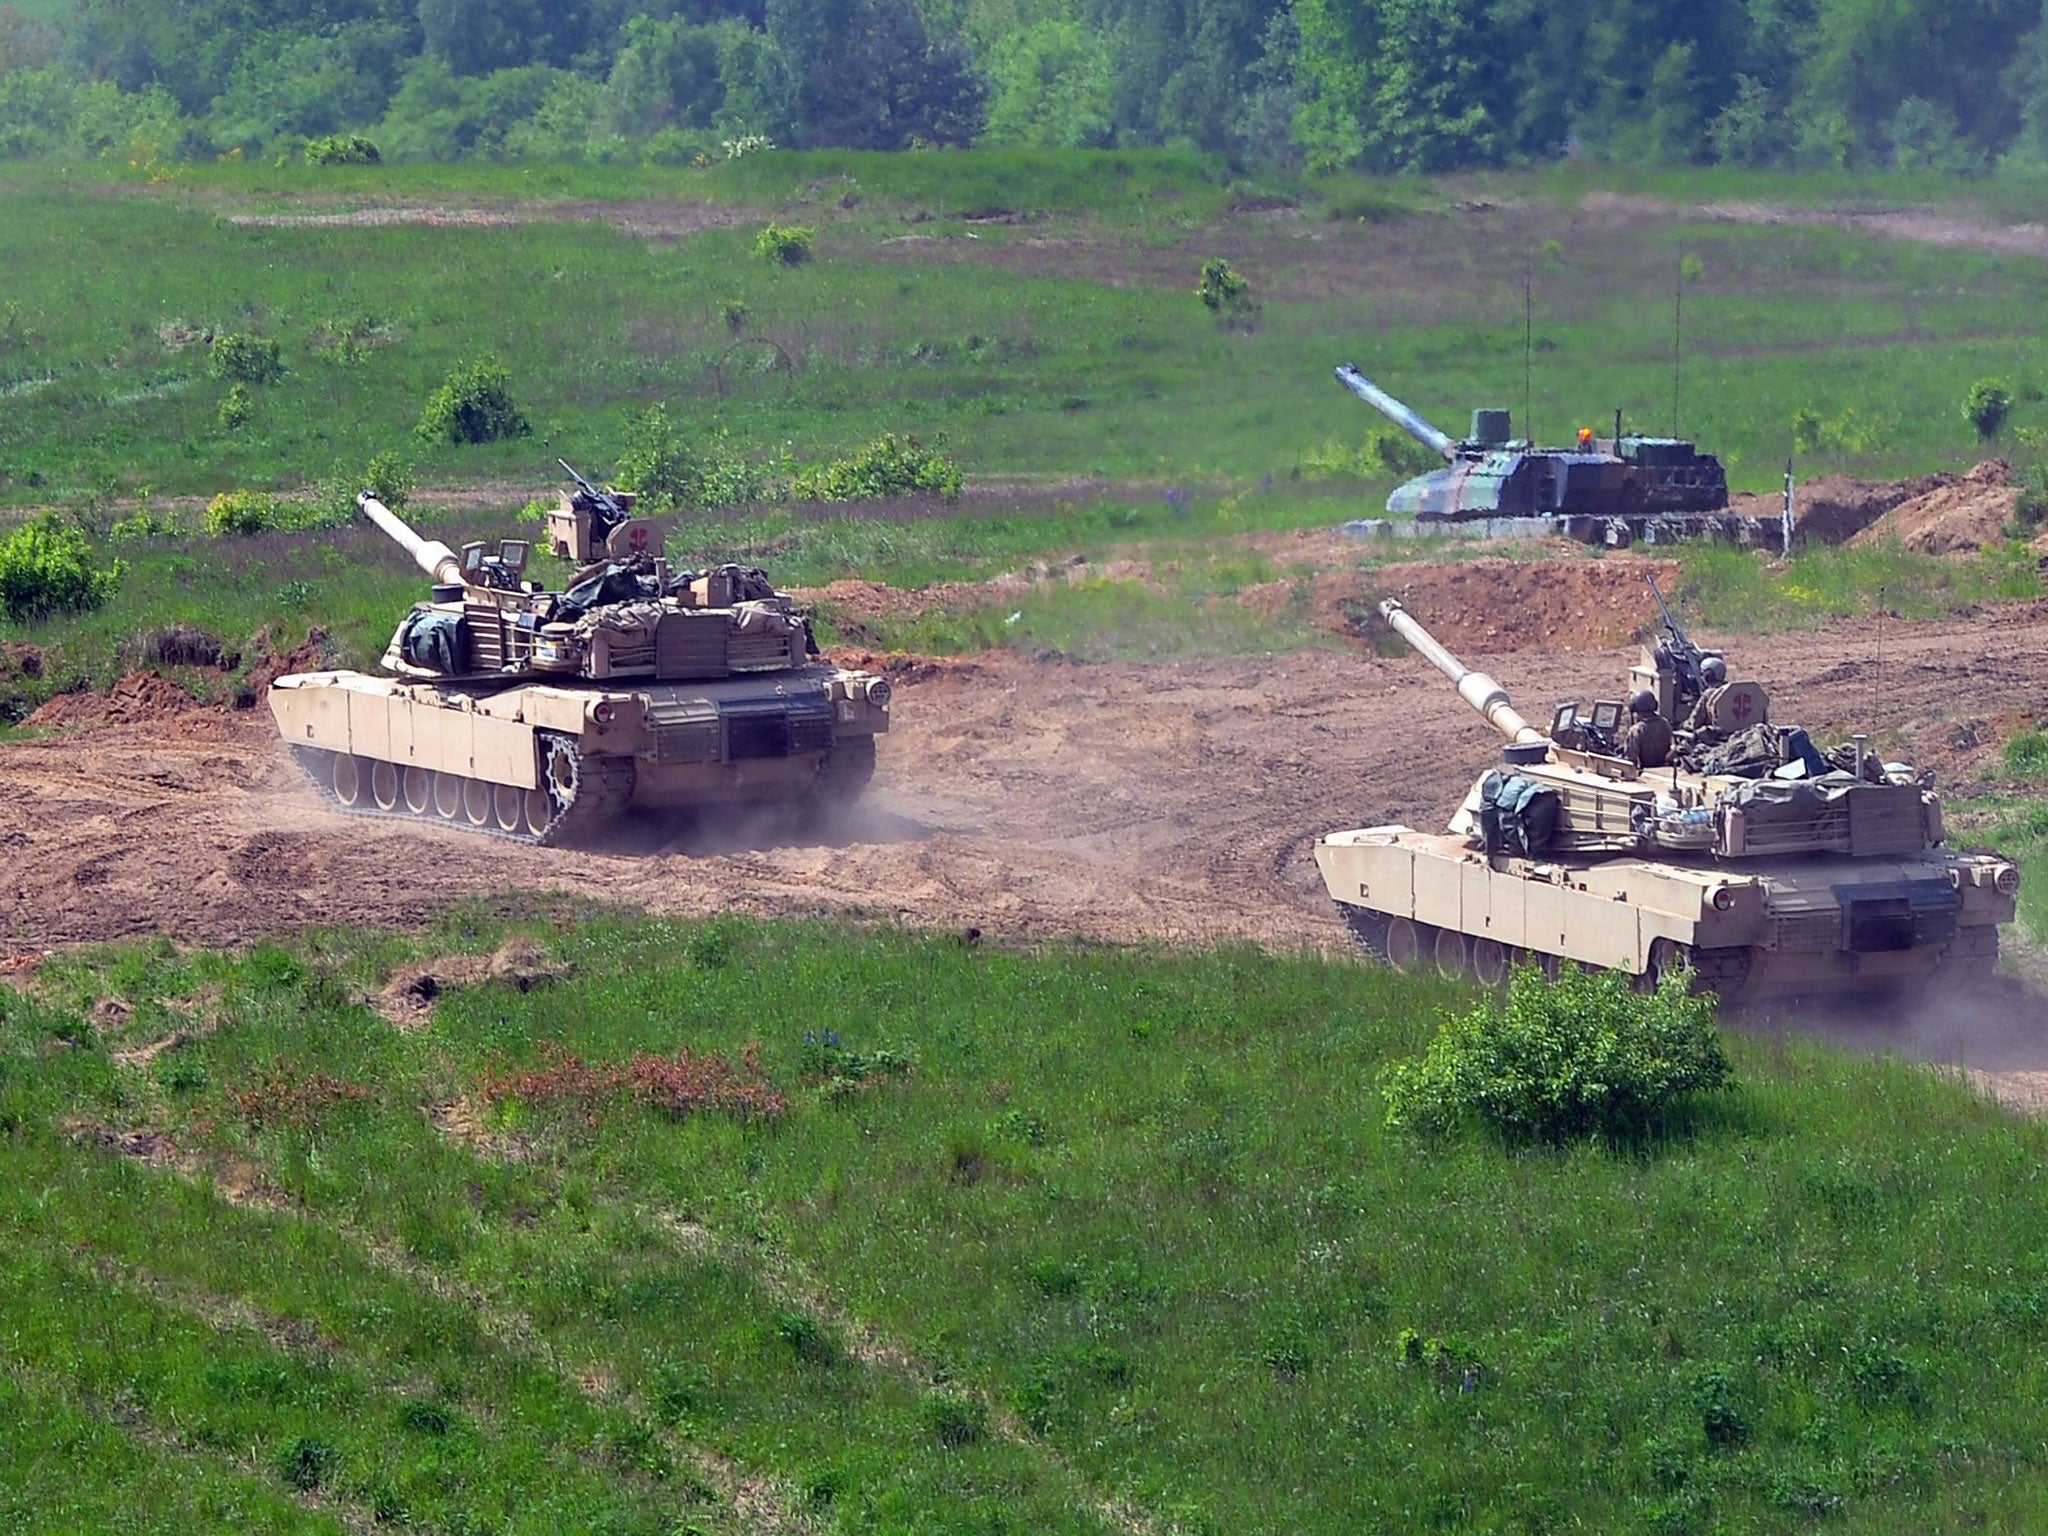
(46, 568)
(892, 465)
(1584, 1055)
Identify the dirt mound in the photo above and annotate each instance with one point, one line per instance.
(1832, 509)
(1958, 515)
(309, 655)
(407, 1000)
(138, 699)
(1492, 605)
(187, 645)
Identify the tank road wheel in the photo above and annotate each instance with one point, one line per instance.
(1404, 944)
(419, 790)
(508, 805)
(1667, 957)
(447, 795)
(384, 785)
(1491, 961)
(346, 779)
(1450, 951)
(539, 811)
(476, 802)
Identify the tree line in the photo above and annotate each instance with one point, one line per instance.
(1953, 86)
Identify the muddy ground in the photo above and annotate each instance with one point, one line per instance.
(1173, 801)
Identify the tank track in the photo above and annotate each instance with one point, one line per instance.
(1721, 971)
(602, 793)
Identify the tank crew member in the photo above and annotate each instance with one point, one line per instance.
(1713, 684)
(1647, 742)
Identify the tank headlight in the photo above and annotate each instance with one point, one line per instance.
(1724, 898)
(878, 693)
(2007, 880)
(603, 712)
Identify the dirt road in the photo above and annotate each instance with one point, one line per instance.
(1174, 801)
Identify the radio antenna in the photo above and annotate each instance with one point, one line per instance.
(1677, 337)
(1528, 339)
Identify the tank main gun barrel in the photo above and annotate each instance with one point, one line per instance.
(1440, 443)
(1475, 688)
(430, 555)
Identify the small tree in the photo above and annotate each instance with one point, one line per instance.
(46, 568)
(1986, 408)
(245, 359)
(474, 406)
(1584, 1055)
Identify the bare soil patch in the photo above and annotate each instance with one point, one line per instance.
(139, 698)
(650, 219)
(1961, 515)
(407, 1000)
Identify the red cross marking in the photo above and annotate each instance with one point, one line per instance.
(1740, 706)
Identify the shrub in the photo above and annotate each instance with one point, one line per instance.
(1227, 294)
(953, 1422)
(1384, 452)
(238, 512)
(789, 244)
(46, 568)
(342, 149)
(1986, 408)
(474, 406)
(234, 408)
(2026, 755)
(2030, 511)
(1584, 1055)
(665, 470)
(891, 465)
(307, 1463)
(246, 359)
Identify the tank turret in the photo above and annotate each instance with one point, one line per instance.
(543, 715)
(1610, 491)
(1754, 861)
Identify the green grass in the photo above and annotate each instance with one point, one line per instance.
(1733, 589)
(1051, 347)
(1143, 1206)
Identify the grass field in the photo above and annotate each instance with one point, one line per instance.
(315, 1270)
(1036, 310)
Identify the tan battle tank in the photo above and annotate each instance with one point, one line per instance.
(543, 715)
(1767, 874)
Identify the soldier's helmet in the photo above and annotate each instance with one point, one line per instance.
(1714, 671)
(1642, 702)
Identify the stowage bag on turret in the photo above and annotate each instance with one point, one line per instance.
(1516, 815)
(431, 640)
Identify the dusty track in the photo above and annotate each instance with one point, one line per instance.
(1123, 801)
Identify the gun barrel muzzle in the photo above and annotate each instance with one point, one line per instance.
(1438, 442)
(430, 555)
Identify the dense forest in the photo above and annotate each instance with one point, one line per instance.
(1956, 86)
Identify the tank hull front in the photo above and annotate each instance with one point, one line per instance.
(1797, 927)
(437, 751)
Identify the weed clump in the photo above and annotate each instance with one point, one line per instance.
(786, 244)
(307, 1463)
(235, 406)
(290, 1098)
(2026, 755)
(894, 464)
(244, 512)
(954, 1422)
(46, 568)
(245, 359)
(1584, 1055)
(475, 405)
